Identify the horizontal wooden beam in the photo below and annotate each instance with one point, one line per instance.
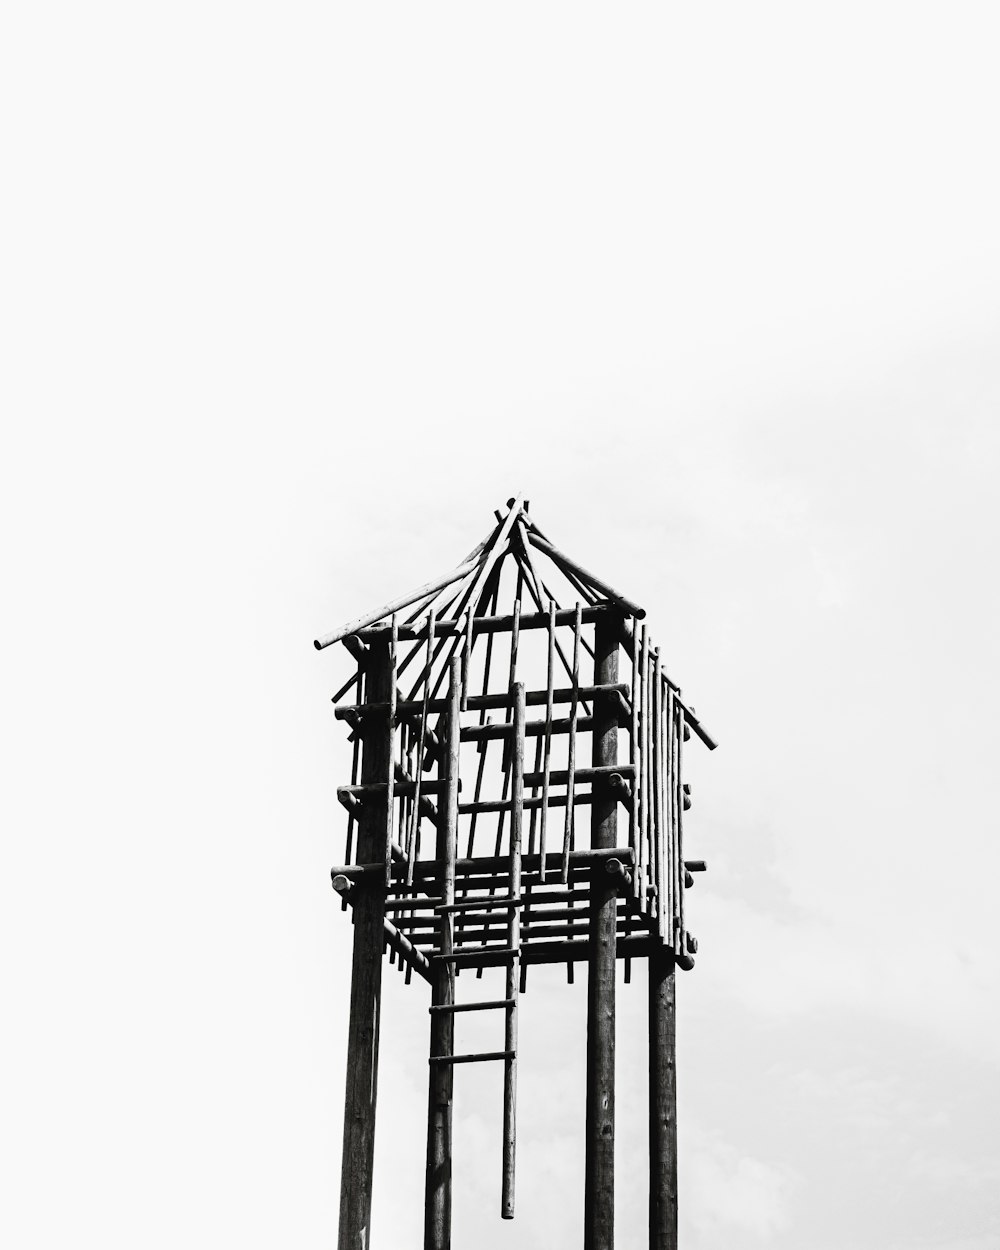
(478, 702)
(483, 624)
(533, 729)
(559, 952)
(373, 789)
(496, 865)
(560, 776)
(503, 904)
(484, 806)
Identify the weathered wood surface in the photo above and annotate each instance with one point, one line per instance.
(662, 1102)
(570, 566)
(514, 967)
(404, 601)
(492, 702)
(599, 1197)
(437, 1202)
(494, 864)
(366, 981)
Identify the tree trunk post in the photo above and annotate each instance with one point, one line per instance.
(437, 1202)
(599, 1197)
(366, 975)
(662, 1102)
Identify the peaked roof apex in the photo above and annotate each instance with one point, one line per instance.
(515, 533)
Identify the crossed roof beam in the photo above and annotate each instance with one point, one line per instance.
(478, 574)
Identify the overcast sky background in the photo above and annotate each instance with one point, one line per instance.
(293, 296)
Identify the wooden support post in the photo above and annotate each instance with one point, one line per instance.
(599, 1198)
(514, 967)
(662, 1102)
(437, 1201)
(366, 976)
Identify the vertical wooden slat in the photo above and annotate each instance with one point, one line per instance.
(437, 1207)
(645, 822)
(391, 748)
(679, 940)
(411, 844)
(548, 736)
(513, 968)
(366, 979)
(656, 777)
(599, 1197)
(351, 818)
(671, 820)
(634, 840)
(571, 757)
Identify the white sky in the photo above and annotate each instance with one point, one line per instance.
(293, 296)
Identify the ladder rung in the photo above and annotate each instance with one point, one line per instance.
(488, 1054)
(499, 1002)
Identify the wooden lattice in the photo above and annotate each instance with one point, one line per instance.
(475, 697)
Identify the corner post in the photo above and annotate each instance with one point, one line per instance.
(437, 1199)
(599, 1198)
(662, 1102)
(366, 973)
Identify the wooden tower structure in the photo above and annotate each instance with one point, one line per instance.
(516, 798)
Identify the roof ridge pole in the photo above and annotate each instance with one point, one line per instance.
(497, 549)
(599, 1196)
(397, 605)
(595, 583)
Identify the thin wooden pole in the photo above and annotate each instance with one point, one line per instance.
(662, 1102)
(568, 828)
(549, 687)
(672, 722)
(641, 659)
(411, 844)
(404, 601)
(634, 838)
(656, 778)
(391, 748)
(599, 1198)
(680, 935)
(437, 1205)
(534, 585)
(513, 968)
(366, 977)
(565, 563)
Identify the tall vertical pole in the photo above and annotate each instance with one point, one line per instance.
(437, 1199)
(366, 972)
(662, 1102)
(514, 967)
(599, 1198)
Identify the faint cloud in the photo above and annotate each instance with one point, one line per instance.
(967, 1173)
(727, 1191)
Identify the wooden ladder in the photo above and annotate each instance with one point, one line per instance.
(511, 958)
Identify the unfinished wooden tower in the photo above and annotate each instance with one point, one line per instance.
(477, 701)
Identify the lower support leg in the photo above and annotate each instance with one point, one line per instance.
(599, 1199)
(437, 1205)
(362, 1073)
(662, 1103)
(437, 1198)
